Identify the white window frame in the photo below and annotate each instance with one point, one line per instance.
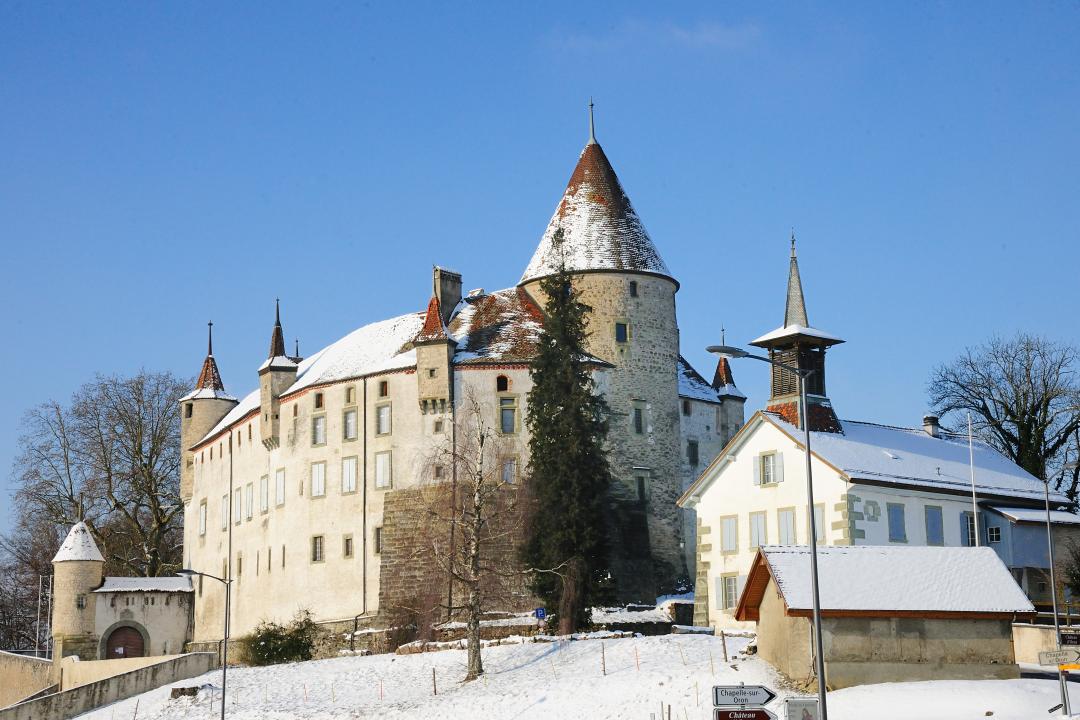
(318, 479)
(993, 534)
(759, 535)
(225, 511)
(349, 467)
(785, 525)
(508, 472)
(729, 534)
(318, 430)
(349, 426)
(384, 473)
(249, 501)
(238, 508)
(279, 487)
(384, 418)
(202, 517)
(264, 494)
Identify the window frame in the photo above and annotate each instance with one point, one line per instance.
(348, 549)
(764, 539)
(388, 407)
(625, 325)
(780, 513)
(512, 463)
(355, 474)
(389, 481)
(279, 487)
(991, 532)
(940, 524)
(889, 507)
(733, 579)
(513, 408)
(202, 517)
(320, 490)
(317, 422)
(345, 414)
(318, 548)
(264, 494)
(723, 520)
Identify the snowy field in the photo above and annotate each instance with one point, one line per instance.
(563, 680)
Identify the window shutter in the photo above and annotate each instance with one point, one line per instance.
(757, 469)
(740, 583)
(778, 467)
(719, 593)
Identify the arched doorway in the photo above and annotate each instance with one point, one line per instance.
(124, 642)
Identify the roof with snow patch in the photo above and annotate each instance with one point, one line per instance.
(145, 584)
(1036, 515)
(695, 387)
(500, 327)
(600, 229)
(78, 545)
(885, 581)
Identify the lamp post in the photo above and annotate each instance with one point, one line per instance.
(1066, 708)
(735, 352)
(225, 642)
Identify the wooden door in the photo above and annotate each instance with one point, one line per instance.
(124, 642)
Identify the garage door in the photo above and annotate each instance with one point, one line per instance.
(124, 642)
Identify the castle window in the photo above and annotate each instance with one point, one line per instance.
(438, 426)
(639, 420)
(686, 407)
(350, 395)
(317, 548)
(384, 388)
(502, 384)
(348, 475)
(264, 494)
(432, 372)
(440, 472)
(249, 500)
(237, 510)
(225, 511)
(347, 546)
(642, 488)
(239, 441)
(318, 401)
(378, 540)
(383, 469)
(349, 430)
(279, 487)
(509, 470)
(318, 430)
(211, 454)
(202, 517)
(295, 410)
(622, 332)
(382, 419)
(318, 479)
(249, 431)
(239, 565)
(508, 415)
(692, 452)
(269, 557)
(282, 556)
(80, 601)
(188, 408)
(633, 288)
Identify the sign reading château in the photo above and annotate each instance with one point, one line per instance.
(742, 714)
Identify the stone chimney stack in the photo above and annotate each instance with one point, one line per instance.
(448, 291)
(931, 425)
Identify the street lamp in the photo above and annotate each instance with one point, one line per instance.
(1053, 590)
(186, 572)
(735, 352)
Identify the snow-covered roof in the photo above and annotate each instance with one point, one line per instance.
(279, 362)
(145, 584)
(910, 456)
(502, 326)
(791, 330)
(78, 545)
(601, 230)
(207, 394)
(904, 579)
(1035, 515)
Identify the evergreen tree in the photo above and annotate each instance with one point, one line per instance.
(566, 543)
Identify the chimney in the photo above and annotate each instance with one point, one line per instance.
(931, 426)
(448, 290)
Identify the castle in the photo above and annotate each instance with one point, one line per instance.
(312, 471)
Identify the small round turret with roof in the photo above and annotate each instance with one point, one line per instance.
(77, 571)
(200, 411)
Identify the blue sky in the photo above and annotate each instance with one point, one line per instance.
(166, 164)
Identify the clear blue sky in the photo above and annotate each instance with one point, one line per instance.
(165, 164)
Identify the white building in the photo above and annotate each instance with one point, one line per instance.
(873, 484)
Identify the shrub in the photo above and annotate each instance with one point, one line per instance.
(271, 643)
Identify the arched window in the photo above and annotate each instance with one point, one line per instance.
(502, 384)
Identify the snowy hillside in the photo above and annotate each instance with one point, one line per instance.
(562, 680)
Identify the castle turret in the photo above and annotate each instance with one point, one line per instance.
(276, 375)
(435, 348)
(796, 343)
(732, 401)
(599, 238)
(200, 411)
(77, 572)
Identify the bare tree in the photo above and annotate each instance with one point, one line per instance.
(472, 500)
(1024, 398)
(111, 457)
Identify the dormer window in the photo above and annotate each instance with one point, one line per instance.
(502, 384)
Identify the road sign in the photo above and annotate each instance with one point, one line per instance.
(1069, 666)
(728, 695)
(742, 714)
(1070, 637)
(1059, 657)
(801, 708)
(540, 613)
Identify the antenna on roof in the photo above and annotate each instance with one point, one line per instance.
(297, 346)
(592, 125)
(210, 338)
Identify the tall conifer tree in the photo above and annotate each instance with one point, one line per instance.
(569, 474)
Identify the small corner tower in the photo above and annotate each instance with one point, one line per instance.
(78, 571)
(200, 411)
(434, 347)
(798, 344)
(732, 400)
(276, 375)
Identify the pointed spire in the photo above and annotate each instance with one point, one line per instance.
(210, 338)
(209, 376)
(277, 338)
(433, 329)
(592, 125)
(795, 309)
(723, 376)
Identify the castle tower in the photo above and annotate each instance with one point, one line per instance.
(200, 411)
(631, 324)
(276, 375)
(77, 572)
(798, 344)
(732, 401)
(434, 348)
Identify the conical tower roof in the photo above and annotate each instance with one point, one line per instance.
(600, 229)
(277, 337)
(433, 329)
(79, 545)
(796, 324)
(209, 384)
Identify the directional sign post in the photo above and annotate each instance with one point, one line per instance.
(741, 695)
(757, 713)
(1059, 657)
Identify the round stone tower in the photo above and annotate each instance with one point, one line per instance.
(630, 293)
(77, 572)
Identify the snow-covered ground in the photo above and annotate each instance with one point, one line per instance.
(564, 680)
